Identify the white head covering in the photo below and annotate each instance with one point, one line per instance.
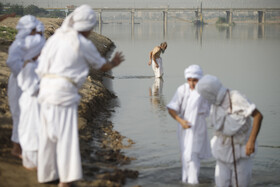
(25, 25)
(211, 89)
(40, 27)
(193, 71)
(33, 46)
(82, 19)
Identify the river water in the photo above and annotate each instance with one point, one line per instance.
(245, 57)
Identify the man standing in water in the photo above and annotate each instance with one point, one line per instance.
(156, 60)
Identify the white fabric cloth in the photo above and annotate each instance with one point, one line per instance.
(15, 62)
(193, 71)
(191, 107)
(190, 169)
(211, 89)
(221, 142)
(29, 159)
(225, 174)
(25, 25)
(59, 152)
(28, 128)
(64, 60)
(157, 71)
(40, 27)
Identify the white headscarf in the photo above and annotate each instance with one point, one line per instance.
(211, 89)
(25, 25)
(33, 46)
(81, 19)
(193, 71)
(40, 27)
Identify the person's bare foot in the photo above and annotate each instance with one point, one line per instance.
(30, 169)
(62, 184)
(16, 150)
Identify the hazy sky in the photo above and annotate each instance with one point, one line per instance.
(150, 3)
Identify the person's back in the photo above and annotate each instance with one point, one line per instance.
(234, 141)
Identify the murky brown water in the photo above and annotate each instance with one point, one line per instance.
(245, 57)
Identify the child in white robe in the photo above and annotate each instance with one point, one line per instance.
(190, 110)
(63, 67)
(26, 26)
(234, 141)
(29, 121)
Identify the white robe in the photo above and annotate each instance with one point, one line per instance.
(194, 142)
(15, 63)
(29, 119)
(59, 154)
(226, 126)
(157, 71)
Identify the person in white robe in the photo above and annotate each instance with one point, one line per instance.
(25, 26)
(29, 121)
(63, 67)
(234, 142)
(190, 110)
(156, 61)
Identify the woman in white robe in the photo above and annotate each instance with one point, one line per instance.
(26, 26)
(230, 115)
(190, 110)
(63, 67)
(29, 121)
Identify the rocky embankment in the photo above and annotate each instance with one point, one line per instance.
(101, 146)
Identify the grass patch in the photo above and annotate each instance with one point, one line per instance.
(7, 33)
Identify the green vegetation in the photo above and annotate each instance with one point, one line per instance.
(1, 8)
(7, 33)
(31, 9)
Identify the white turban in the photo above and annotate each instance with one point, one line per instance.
(33, 46)
(25, 25)
(211, 89)
(82, 19)
(193, 71)
(40, 27)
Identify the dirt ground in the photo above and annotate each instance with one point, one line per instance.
(101, 146)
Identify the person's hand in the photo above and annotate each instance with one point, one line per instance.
(150, 62)
(157, 66)
(185, 124)
(250, 148)
(117, 59)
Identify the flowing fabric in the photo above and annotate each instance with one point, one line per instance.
(157, 71)
(63, 67)
(15, 62)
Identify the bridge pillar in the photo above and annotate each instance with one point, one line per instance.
(229, 16)
(261, 17)
(196, 13)
(132, 22)
(100, 21)
(164, 22)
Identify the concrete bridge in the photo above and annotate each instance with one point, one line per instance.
(229, 12)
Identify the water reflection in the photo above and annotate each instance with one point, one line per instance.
(156, 97)
(198, 33)
(261, 31)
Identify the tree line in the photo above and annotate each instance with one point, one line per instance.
(19, 10)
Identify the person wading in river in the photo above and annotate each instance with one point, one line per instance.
(234, 141)
(63, 67)
(156, 61)
(190, 110)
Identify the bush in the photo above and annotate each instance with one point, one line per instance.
(7, 33)
(34, 10)
(1, 8)
(18, 9)
(57, 14)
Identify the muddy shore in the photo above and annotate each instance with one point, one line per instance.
(101, 146)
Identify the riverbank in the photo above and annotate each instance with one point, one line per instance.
(101, 146)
